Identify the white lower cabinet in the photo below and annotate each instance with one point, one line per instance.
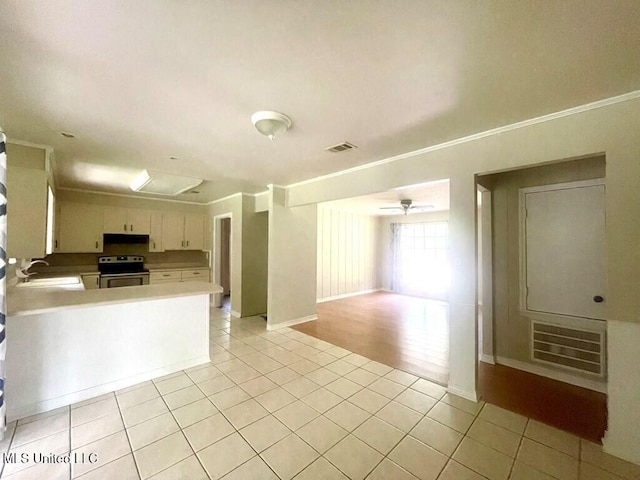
(91, 281)
(177, 276)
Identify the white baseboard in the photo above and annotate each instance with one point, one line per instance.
(560, 376)
(347, 295)
(487, 358)
(288, 323)
(71, 398)
(472, 396)
(235, 314)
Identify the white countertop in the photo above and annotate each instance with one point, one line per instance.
(29, 301)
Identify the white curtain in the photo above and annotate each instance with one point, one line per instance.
(396, 255)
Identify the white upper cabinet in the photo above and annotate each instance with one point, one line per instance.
(155, 235)
(194, 232)
(173, 231)
(26, 212)
(182, 231)
(127, 220)
(79, 228)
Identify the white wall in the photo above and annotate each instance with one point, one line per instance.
(348, 257)
(292, 254)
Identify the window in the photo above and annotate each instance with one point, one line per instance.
(420, 259)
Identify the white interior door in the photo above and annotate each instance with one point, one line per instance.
(565, 263)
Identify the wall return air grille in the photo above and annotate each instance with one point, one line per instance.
(570, 348)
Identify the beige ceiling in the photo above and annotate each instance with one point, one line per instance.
(141, 81)
(433, 195)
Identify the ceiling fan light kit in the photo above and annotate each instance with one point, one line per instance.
(271, 123)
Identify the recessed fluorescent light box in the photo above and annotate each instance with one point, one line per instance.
(163, 183)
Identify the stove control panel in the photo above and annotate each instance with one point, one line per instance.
(121, 259)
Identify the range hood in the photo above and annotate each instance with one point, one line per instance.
(120, 238)
(160, 183)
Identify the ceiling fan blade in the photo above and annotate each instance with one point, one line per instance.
(421, 206)
(390, 208)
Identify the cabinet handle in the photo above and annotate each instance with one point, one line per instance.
(125, 227)
(165, 275)
(131, 229)
(98, 281)
(154, 245)
(196, 273)
(55, 243)
(96, 245)
(182, 244)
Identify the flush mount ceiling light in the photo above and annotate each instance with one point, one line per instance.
(270, 123)
(163, 183)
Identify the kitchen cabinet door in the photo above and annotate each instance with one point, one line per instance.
(115, 220)
(138, 221)
(91, 281)
(193, 232)
(80, 228)
(172, 231)
(26, 212)
(155, 234)
(127, 220)
(195, 275)
(165, 276)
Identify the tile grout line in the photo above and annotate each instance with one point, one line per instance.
(181, 430)
(124, 425)
(70, 443)
(13, 435)
(518, 449)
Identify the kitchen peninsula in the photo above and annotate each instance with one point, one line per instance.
(70, 345)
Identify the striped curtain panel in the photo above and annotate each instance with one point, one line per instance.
(3, 270)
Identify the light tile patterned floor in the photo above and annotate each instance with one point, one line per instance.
(282, 405)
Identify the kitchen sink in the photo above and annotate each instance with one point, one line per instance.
(56, 282)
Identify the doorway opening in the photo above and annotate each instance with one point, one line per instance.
(391, 308)
(532, 224)
(222, 259)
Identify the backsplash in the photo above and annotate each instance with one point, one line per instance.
(89, 261)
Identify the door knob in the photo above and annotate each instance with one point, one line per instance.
(598, 299)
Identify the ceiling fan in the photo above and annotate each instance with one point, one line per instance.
(406, 205)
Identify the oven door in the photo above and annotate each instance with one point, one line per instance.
(124, 280)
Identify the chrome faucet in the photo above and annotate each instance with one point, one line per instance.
(24, 274)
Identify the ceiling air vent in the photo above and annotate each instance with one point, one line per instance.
(341, 147)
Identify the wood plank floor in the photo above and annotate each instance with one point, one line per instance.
(412, 334)
(567, 407)
(408, 333)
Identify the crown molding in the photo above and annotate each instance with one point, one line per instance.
(477, 136)
(124, 195)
